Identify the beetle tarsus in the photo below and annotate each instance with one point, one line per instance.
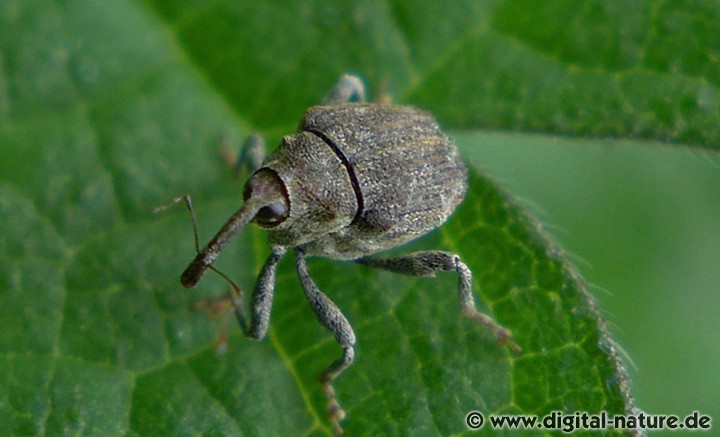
(335, 411)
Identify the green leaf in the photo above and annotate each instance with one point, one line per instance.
(603, 68)
(108, 109)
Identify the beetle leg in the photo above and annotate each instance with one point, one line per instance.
(252, 153)
(428, 263)
(331, 318)
(262, 297)
(348, 89)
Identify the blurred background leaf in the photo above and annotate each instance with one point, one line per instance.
(110, 108)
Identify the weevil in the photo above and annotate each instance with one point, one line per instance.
(355, 179)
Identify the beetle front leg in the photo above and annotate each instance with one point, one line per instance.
(430, 262)
(262, 297)
(331, 318)
(251, 155)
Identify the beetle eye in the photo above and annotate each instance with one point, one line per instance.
(267, 189)
(271, 215)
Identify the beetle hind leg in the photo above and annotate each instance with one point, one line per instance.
(332, 319)
(428, 263)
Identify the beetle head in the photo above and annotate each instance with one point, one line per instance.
(317, 188)
(266, 203)
(302, 193)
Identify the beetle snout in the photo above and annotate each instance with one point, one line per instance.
(192, 274)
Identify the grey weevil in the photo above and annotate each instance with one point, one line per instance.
(354, 180)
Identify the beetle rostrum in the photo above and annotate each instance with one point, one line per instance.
(354, 180)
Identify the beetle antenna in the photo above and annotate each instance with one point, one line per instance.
(188, 203)
(207, 256)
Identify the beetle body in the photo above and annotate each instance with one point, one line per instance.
(362, 178)
(354, 180)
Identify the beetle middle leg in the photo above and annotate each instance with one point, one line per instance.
(348, 89)
(332, 319)
(428, 263)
